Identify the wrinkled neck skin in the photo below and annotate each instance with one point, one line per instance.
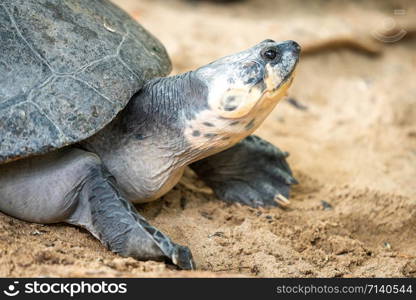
(146, 147)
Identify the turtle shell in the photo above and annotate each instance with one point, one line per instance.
(66, 69)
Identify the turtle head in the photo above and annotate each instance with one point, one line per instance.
(252, 81)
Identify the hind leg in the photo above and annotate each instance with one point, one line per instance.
(73, 186)
(253, 172)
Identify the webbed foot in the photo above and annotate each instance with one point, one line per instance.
(253, 172)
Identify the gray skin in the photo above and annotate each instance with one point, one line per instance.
(170, 123)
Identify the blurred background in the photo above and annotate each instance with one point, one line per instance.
(349, 124)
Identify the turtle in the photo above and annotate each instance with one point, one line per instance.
(91, 124)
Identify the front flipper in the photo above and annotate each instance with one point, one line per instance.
(253, 172)
(116, 223)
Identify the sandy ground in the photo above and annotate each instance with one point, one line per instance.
(354, 148)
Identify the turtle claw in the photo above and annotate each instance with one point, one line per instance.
(281, 200)
(182, 257)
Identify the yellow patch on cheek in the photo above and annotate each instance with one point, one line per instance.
(272, 79)
(274, 96)
(267, 103)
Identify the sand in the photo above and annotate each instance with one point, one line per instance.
(353, 150)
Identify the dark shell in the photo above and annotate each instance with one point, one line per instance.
(66, 69)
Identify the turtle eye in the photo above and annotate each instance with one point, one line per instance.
(270, 54)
